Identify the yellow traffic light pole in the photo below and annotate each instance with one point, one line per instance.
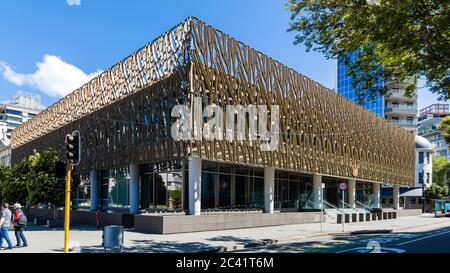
(67, 208)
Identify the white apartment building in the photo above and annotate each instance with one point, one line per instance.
(22, 107)
(400, 109)
(429, 119)
(424, 162)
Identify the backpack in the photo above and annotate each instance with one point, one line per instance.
(22, 219)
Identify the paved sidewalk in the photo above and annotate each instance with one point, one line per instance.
(89, 239)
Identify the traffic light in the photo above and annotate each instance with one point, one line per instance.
(73, 147)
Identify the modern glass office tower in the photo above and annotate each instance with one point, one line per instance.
(133, 163)
(394, 106)
(346, 89)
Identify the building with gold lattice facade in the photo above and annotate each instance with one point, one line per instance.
(130, 161)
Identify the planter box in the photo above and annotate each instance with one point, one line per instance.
(40, 221)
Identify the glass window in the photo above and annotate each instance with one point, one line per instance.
(104, 190)
(118, 188)
(421, 177)
(174, 189)
(14, 125)
(13, 112)
(226, 168)
(208, 190)
(420, 157)
(224, 191)
(147, 196)
(210, 166)
(16, 119)
(241, 191)
(160, 184)
(83, 192)
(258, 193)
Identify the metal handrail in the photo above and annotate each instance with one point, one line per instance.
(332, 206)
(363, 205)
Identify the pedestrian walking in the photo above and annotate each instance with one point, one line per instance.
(20, 223)
(5, 224)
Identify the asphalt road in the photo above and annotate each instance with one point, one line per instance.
(418, 240)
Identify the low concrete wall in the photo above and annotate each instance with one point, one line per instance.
(87, 217)
(408, 212)
(167, 224)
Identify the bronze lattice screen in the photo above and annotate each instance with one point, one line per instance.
(124, 113)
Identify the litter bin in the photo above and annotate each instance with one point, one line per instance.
(113, 237)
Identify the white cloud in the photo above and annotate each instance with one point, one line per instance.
(53, 76)
(73, 2)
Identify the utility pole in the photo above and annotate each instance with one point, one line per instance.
(73, 150)
(67, 207)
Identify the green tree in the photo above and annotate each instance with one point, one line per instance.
(33, 181)
(436, 191)
(444, 127)
(44, 186)
(399, 40)
(440, 187)
(440, 166)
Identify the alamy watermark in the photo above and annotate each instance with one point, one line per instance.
(234, 123)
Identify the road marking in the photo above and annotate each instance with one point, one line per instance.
(423, 238)
(365, 250)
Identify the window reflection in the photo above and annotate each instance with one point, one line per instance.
(227, 186)
(162, 186)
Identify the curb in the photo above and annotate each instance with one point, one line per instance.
(266, 242)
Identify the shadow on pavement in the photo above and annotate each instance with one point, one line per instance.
(247, 242)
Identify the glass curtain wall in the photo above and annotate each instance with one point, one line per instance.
(161, 186)
(332, 193)
(114, 188)
(364, 193)
(292, 191)
(227, 186)
(83, 192)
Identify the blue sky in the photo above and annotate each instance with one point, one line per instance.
(80, 40)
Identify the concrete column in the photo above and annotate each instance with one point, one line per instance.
(377, 195)
(352, 192)
(396, 196)
(195, 185)
(134, 188)
(317, 191)
(94, 183)
(269, 189)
